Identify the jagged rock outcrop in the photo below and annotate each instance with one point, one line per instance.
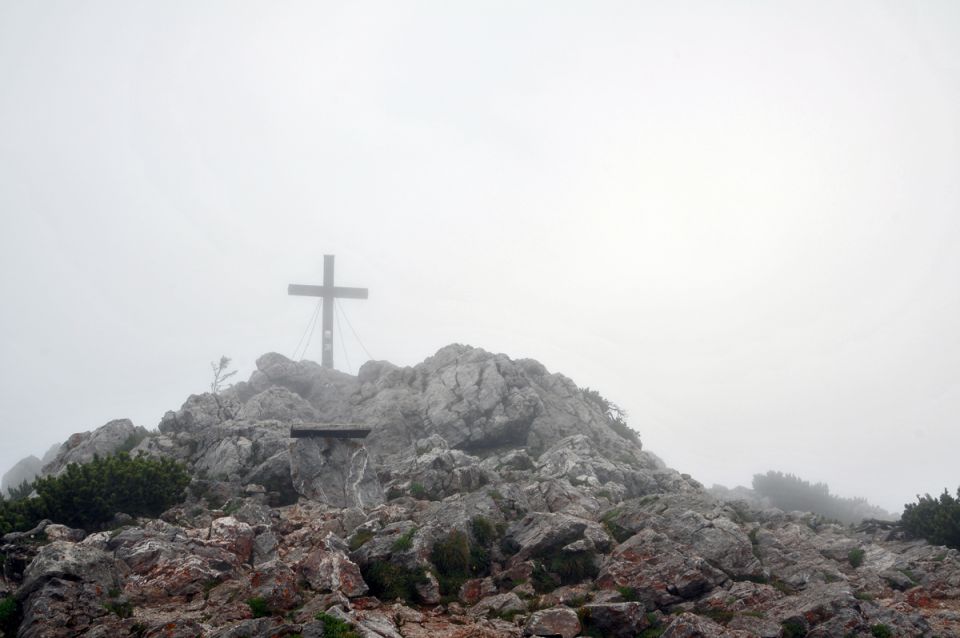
(117, 435)
(492, 499)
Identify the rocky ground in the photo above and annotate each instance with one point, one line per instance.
(492, 498)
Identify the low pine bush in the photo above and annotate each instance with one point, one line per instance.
(388, 581)
(935, 519)
(88, 495)
(333, 627)
(259, 607)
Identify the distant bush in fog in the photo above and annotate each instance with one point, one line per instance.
(789, 493)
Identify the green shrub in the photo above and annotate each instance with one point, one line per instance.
(388, 581)
(542, 580)
(587, 627)
(359, 538)
(783, 586)
(880, 631)
(935, 519)
(656, 628)
(629, 594)
(333, 627)
(484, 532)
(405, 541)
(418, 491)
(573, 568)
(9, 615)
(508, 615)
(451, 556)
(721, 616)
(855, 556)
(123, 609)
(793, 629)
(20, 492)
(258, 605)
(616, 530)
(89, 495)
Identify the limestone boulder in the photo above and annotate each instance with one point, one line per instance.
(559, 621)
(273, 627)
(498, 604)
(200, 411)
(338, 472)
(70, 561)
(280, 404)
(235, 536)
(659, 571)
(584, 461)
(104, 441)
(63, 608)
(276, 583)
(687, 625)
(541, 534)
(166, 563)
(330, 570)
(695, 523)
(439, 471)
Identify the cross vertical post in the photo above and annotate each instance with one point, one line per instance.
(327, 292)
(327, 361)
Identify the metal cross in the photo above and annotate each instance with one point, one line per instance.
(328, 292)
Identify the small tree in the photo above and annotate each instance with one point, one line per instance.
(220, 374)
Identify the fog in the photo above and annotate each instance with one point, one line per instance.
(738, 221)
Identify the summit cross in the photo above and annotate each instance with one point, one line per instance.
(328, 292)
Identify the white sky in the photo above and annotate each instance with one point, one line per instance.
(739, 220)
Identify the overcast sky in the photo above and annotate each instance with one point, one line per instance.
(738, 220)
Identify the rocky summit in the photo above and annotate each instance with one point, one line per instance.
(491, 498)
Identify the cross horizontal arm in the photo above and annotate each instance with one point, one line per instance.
(327, 291)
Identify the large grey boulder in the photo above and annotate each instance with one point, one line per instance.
(696, 524)
(69, 561)
(165, 562)
(546, 534)
(104, 441)
(277, 403)
(63, 608)
(338, 472)
(480, 403)
(558, 621)
(200, 411)
(245, 452)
